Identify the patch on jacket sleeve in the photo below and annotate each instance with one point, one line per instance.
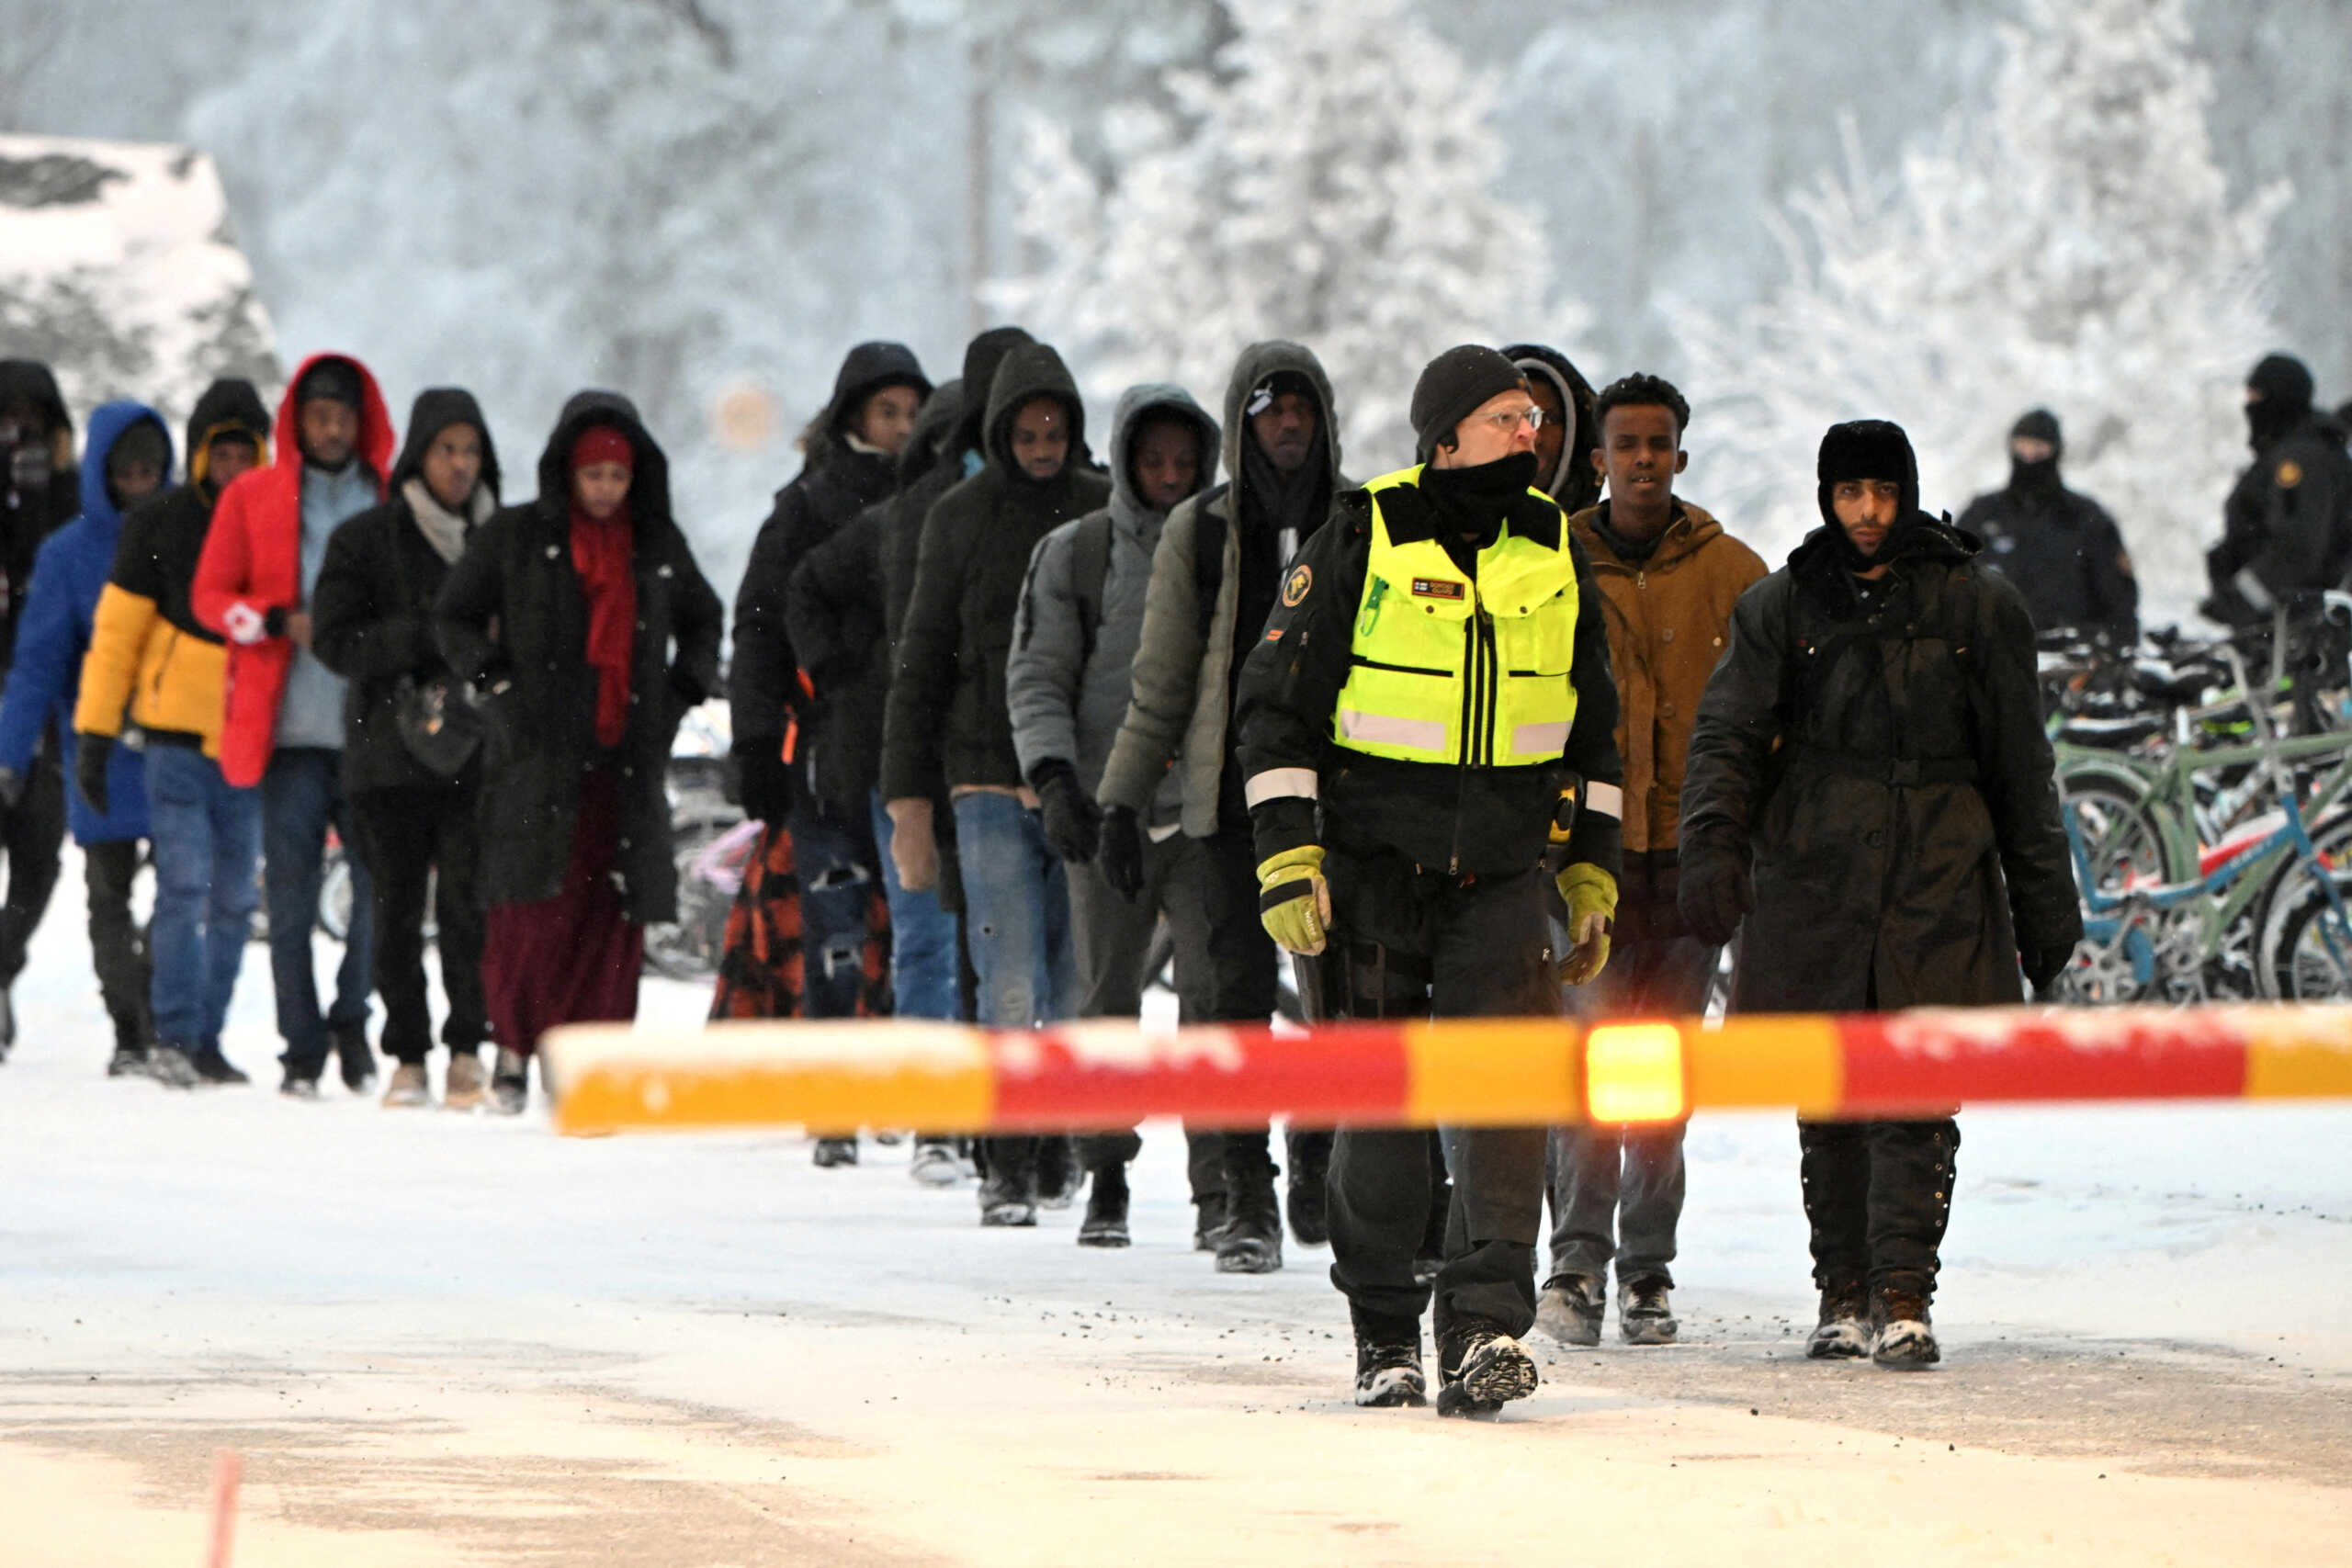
(2290, 474)
(1295, 585)
(1436, 588)
(1273, 634)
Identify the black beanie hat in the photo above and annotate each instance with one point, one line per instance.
(335, 380)
(2283, 380)
(1451, 389)
(1869, 449)
(2039, 426)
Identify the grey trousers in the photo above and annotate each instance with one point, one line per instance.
(1617, 1191)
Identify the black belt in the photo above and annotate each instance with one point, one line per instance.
(1901, 773)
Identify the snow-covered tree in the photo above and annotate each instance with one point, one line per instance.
(1331, 180)
(2072, 243)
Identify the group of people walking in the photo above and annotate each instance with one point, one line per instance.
(1509, 728)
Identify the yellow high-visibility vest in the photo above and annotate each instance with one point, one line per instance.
(1446, 670)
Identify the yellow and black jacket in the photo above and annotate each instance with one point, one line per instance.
(150, 663)
(1433, 703)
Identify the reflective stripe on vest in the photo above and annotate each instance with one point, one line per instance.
(1448, 671)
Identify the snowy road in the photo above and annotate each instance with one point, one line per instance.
(450, 1340)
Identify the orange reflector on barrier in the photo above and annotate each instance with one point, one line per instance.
(1633, 1072)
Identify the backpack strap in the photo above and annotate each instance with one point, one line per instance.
(1089, 574)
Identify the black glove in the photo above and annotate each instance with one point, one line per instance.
(1713, 895)
(90, 754)
(2043, 965)
(1071, 820)
(1121, 846)
(767, 781)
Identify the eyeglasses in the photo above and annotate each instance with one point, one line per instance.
(1507, 421)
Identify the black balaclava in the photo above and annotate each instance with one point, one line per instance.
(2284, 401)
(1869, 449)
(2038, 481)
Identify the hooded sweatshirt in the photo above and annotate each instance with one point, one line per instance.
(948, 723)
(1067, 690)
(1571, 482)
(44, 681)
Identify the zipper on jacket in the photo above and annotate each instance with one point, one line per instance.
(164, 665)
(1360, 662)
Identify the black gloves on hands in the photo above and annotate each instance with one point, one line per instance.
(90, 755)
(1071, 820)
(1716, 893)
(2045, 965)
(767, 781)
(1121, 846)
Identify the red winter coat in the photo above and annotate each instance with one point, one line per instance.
(252, 556)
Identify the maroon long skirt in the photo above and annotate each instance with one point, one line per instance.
(573, 958)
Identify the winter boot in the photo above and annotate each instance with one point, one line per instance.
(409, 1087)
(1570, 1310)
(1251, 1242)
(1388, 1368)
(213, 1067)
(1007, 1200)
(465, 1088)
(832, 1152)
(935, 1164)
(1058, 1173)
(128, 1061)
(1902, 1338)
(351, 1051)
(174, 1067)
(1645, 1313)
(1480, 1368)
(1208, 1221)
(1106, 1210)
(510, 1082)
(297, 1085)
(1306, 1200)
(1842, 1334)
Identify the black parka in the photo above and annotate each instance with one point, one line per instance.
(27, 518)
(371, 614)
(2063, 553)
(947, 724)
(542, 701)
(1884, 766)
(2287, 527)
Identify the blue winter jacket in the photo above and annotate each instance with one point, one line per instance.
(54, 632)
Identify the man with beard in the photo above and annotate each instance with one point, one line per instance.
(1434, 675)
(1571, 429)
(1215, 577)
(2287, 527)
(2060, 548)
(1869, 788)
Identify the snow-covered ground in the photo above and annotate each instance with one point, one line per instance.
(453, 1339)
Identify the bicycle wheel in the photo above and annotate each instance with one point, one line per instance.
(2122, 839)
(2305, 952)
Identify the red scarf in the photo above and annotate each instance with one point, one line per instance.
(601, 555)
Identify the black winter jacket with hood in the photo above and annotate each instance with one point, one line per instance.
(1571, 482)
(838, 605)
(1884, 765)
(839, 481)
(33, 515)
(948, 725)
(371, 614)
(540, 702)
(959, 460)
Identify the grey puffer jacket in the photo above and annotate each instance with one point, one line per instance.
(1067, 702)
(1182, 693)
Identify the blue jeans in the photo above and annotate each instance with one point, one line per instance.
(207, 838)
(1016, 904)
(835, 863)
(302, 796)
(924, 975)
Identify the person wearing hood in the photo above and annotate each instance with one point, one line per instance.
(838, 608)
(284, 727)
(2059, 547)
(411, 768)
(584, 619)
(948, 728)
(1668, 576)
(1215, 573)
(1432, 681)
(2287, 527)
(152, 664)
(1564, 467)
(1074, 640)
(127, 459)
(1869, 796)
(807, 937)
(40, 489)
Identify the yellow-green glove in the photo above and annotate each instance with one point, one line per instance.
(1294, 902)
(1591, 895)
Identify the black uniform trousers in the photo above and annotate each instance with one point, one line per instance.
(407, 835)
(118, 941)
(1878, 1196)
(1414, 943)
(33, 833)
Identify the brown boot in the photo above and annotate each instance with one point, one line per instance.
(467, 1088)
(409, 1087)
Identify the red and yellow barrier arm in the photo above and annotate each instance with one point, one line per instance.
(1461, 1072)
